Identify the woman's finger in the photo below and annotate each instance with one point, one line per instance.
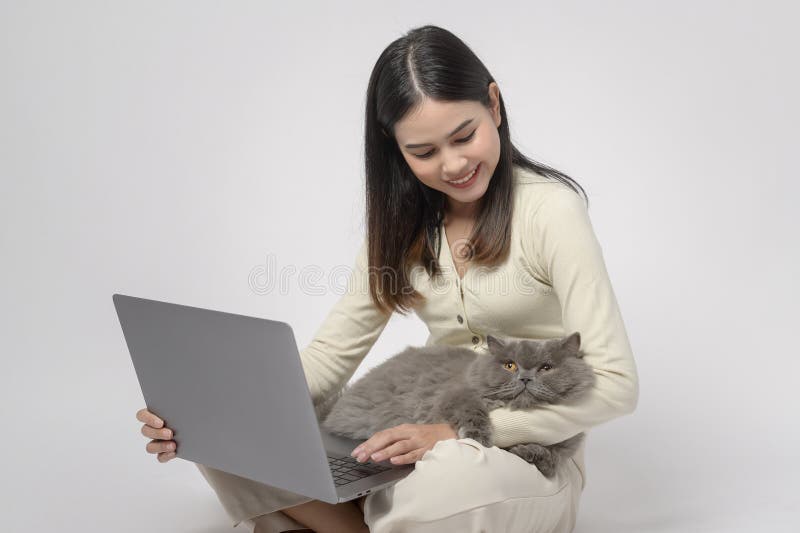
(398, 448)
(143, 415)
(411, 457)
(382, 439)
(153, 433)
(164, 457)
(159, 446)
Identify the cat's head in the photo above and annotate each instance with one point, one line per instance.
(523, 373)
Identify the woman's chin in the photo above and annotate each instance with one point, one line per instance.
(471, 194)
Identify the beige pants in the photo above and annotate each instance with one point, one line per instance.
(458, 485)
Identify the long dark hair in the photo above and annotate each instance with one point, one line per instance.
(403, 214)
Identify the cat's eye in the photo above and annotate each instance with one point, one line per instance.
(545, 367)
(510, 366)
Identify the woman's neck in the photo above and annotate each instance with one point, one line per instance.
(462, 211)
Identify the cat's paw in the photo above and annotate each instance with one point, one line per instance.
(492, 404)
(480, 435)
(537, 455)
(547, 466)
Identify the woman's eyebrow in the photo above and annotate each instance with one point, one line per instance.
(459, 128)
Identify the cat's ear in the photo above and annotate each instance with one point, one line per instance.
(572, 342)
(494, 343)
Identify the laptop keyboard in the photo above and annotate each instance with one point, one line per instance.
(346, 469)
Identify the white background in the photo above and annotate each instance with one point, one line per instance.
(166, 149)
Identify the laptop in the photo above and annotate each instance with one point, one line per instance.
(232, 388)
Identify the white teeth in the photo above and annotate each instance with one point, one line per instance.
(466, 178)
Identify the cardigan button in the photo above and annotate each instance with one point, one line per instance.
(476, 339)
(460, 319)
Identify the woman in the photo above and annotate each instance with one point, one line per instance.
(479, 239)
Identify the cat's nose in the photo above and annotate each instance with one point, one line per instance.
(525, 380)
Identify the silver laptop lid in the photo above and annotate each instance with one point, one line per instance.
(233, 389)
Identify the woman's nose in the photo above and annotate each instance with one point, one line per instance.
(454, 168)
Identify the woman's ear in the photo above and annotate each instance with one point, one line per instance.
(494, 104)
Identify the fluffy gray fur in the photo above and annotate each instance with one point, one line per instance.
(449, 384)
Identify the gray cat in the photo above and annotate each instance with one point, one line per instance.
(449, 384)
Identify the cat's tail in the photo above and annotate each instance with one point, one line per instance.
(567, 448)
(323, 406)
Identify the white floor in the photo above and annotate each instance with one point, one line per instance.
(91, 473)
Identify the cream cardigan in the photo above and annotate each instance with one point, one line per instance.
(553, 283)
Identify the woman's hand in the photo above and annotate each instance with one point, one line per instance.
(403, 444)
(154, 428)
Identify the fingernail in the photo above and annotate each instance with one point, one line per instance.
(356, 452)
(362, 457)
(377, 456)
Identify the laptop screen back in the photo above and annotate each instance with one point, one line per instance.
(232, 388)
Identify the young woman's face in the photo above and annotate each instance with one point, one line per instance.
(443, 142)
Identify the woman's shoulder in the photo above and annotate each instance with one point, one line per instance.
(526, 176)
(536, 191)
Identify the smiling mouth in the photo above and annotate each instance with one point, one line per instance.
(466, 176)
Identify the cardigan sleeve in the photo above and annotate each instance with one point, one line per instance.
(345, 336)
(560, 240)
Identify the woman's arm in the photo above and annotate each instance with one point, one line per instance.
(346, 335)
(561, 242)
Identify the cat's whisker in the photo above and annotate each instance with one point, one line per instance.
(502, 391)
(543, 392)
(506, 387)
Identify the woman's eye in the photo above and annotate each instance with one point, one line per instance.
(467, 138)
(463, 140)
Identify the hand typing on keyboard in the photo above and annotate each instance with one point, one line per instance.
(347, 469)
(403, 444)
